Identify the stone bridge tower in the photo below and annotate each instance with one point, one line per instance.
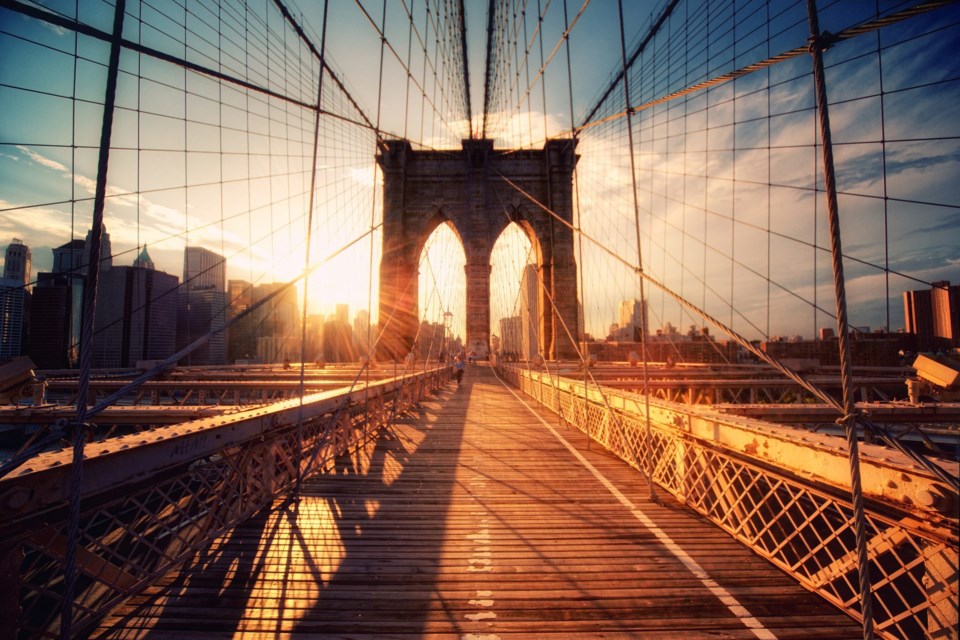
(470, 189)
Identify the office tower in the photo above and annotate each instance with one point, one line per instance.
(14, 300)
(510, 336)
(202, 307)
(241, 335)
(631, 320)
(268, 334)
(69, 258)
(136, 315)
(202, 312)
(204, 269)
(361, 332)
(529, 329)
(52, 343)
(945, 303)
(14, 303)
(933, 316)
(338, 339)
(106, 252)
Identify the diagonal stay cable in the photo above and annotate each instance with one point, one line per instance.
(800, 50)
(877, 429)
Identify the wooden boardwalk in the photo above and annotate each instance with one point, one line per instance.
(474, 520)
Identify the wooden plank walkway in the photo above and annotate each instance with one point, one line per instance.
(473, 520)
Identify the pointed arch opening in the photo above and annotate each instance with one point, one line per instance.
(515, 293)
(442, 289)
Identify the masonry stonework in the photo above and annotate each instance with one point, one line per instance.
(478, 191)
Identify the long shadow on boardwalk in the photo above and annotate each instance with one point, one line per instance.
(357, 556)
(390, 511)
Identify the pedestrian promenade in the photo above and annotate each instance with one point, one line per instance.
(480, 518)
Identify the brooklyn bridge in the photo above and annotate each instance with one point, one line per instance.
(479, 320)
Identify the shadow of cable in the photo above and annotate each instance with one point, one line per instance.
(379, 517)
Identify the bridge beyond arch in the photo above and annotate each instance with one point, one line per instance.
(479, 191)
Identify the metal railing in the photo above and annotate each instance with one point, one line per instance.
(152, 500)
(785, 495)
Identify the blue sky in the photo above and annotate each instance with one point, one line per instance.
(729, 214)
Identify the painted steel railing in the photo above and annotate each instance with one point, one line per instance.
(152, 500)
(785, 494)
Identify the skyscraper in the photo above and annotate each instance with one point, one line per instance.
(204, 269)
(69, 258)
(16, 265)
(945, 301)
(529, 329)
(106, 251)
(631, 320)
(933, 316)
(14, 300)
(361, 332)
(198, 313)
(918, 317)
(52, 343)
(202, 306)
(136, 315)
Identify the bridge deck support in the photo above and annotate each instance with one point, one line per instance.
(474, 519)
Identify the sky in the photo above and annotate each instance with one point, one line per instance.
(729, 203)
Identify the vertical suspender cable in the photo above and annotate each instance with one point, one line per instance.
(306, 280)
(849, 419)
(466, 67)
(89, 313)
(648, 448)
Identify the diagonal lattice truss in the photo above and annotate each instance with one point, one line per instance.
(198, 481)
(800, 520)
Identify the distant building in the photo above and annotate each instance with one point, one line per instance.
(877, 349)
(203, 307)
(338, 340)
(106, 252)
(136, 315)
(933, 316)
(631, 320)
(945, 301)
(313, 347)
(511, 338)
(16, 264)
(268, 334)
(53, 343)
(361, 332)
(144, 260)
(68, 258)
(430, 340)
(200, 312)
(15, 300)
(529, 345)
(241, 336)
(204, 269)
(14, 315)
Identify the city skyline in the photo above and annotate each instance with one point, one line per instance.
(728, 217)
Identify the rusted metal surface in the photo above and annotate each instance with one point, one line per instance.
(475, 519)
(152, 500)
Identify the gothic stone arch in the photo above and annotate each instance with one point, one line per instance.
(469, 189)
